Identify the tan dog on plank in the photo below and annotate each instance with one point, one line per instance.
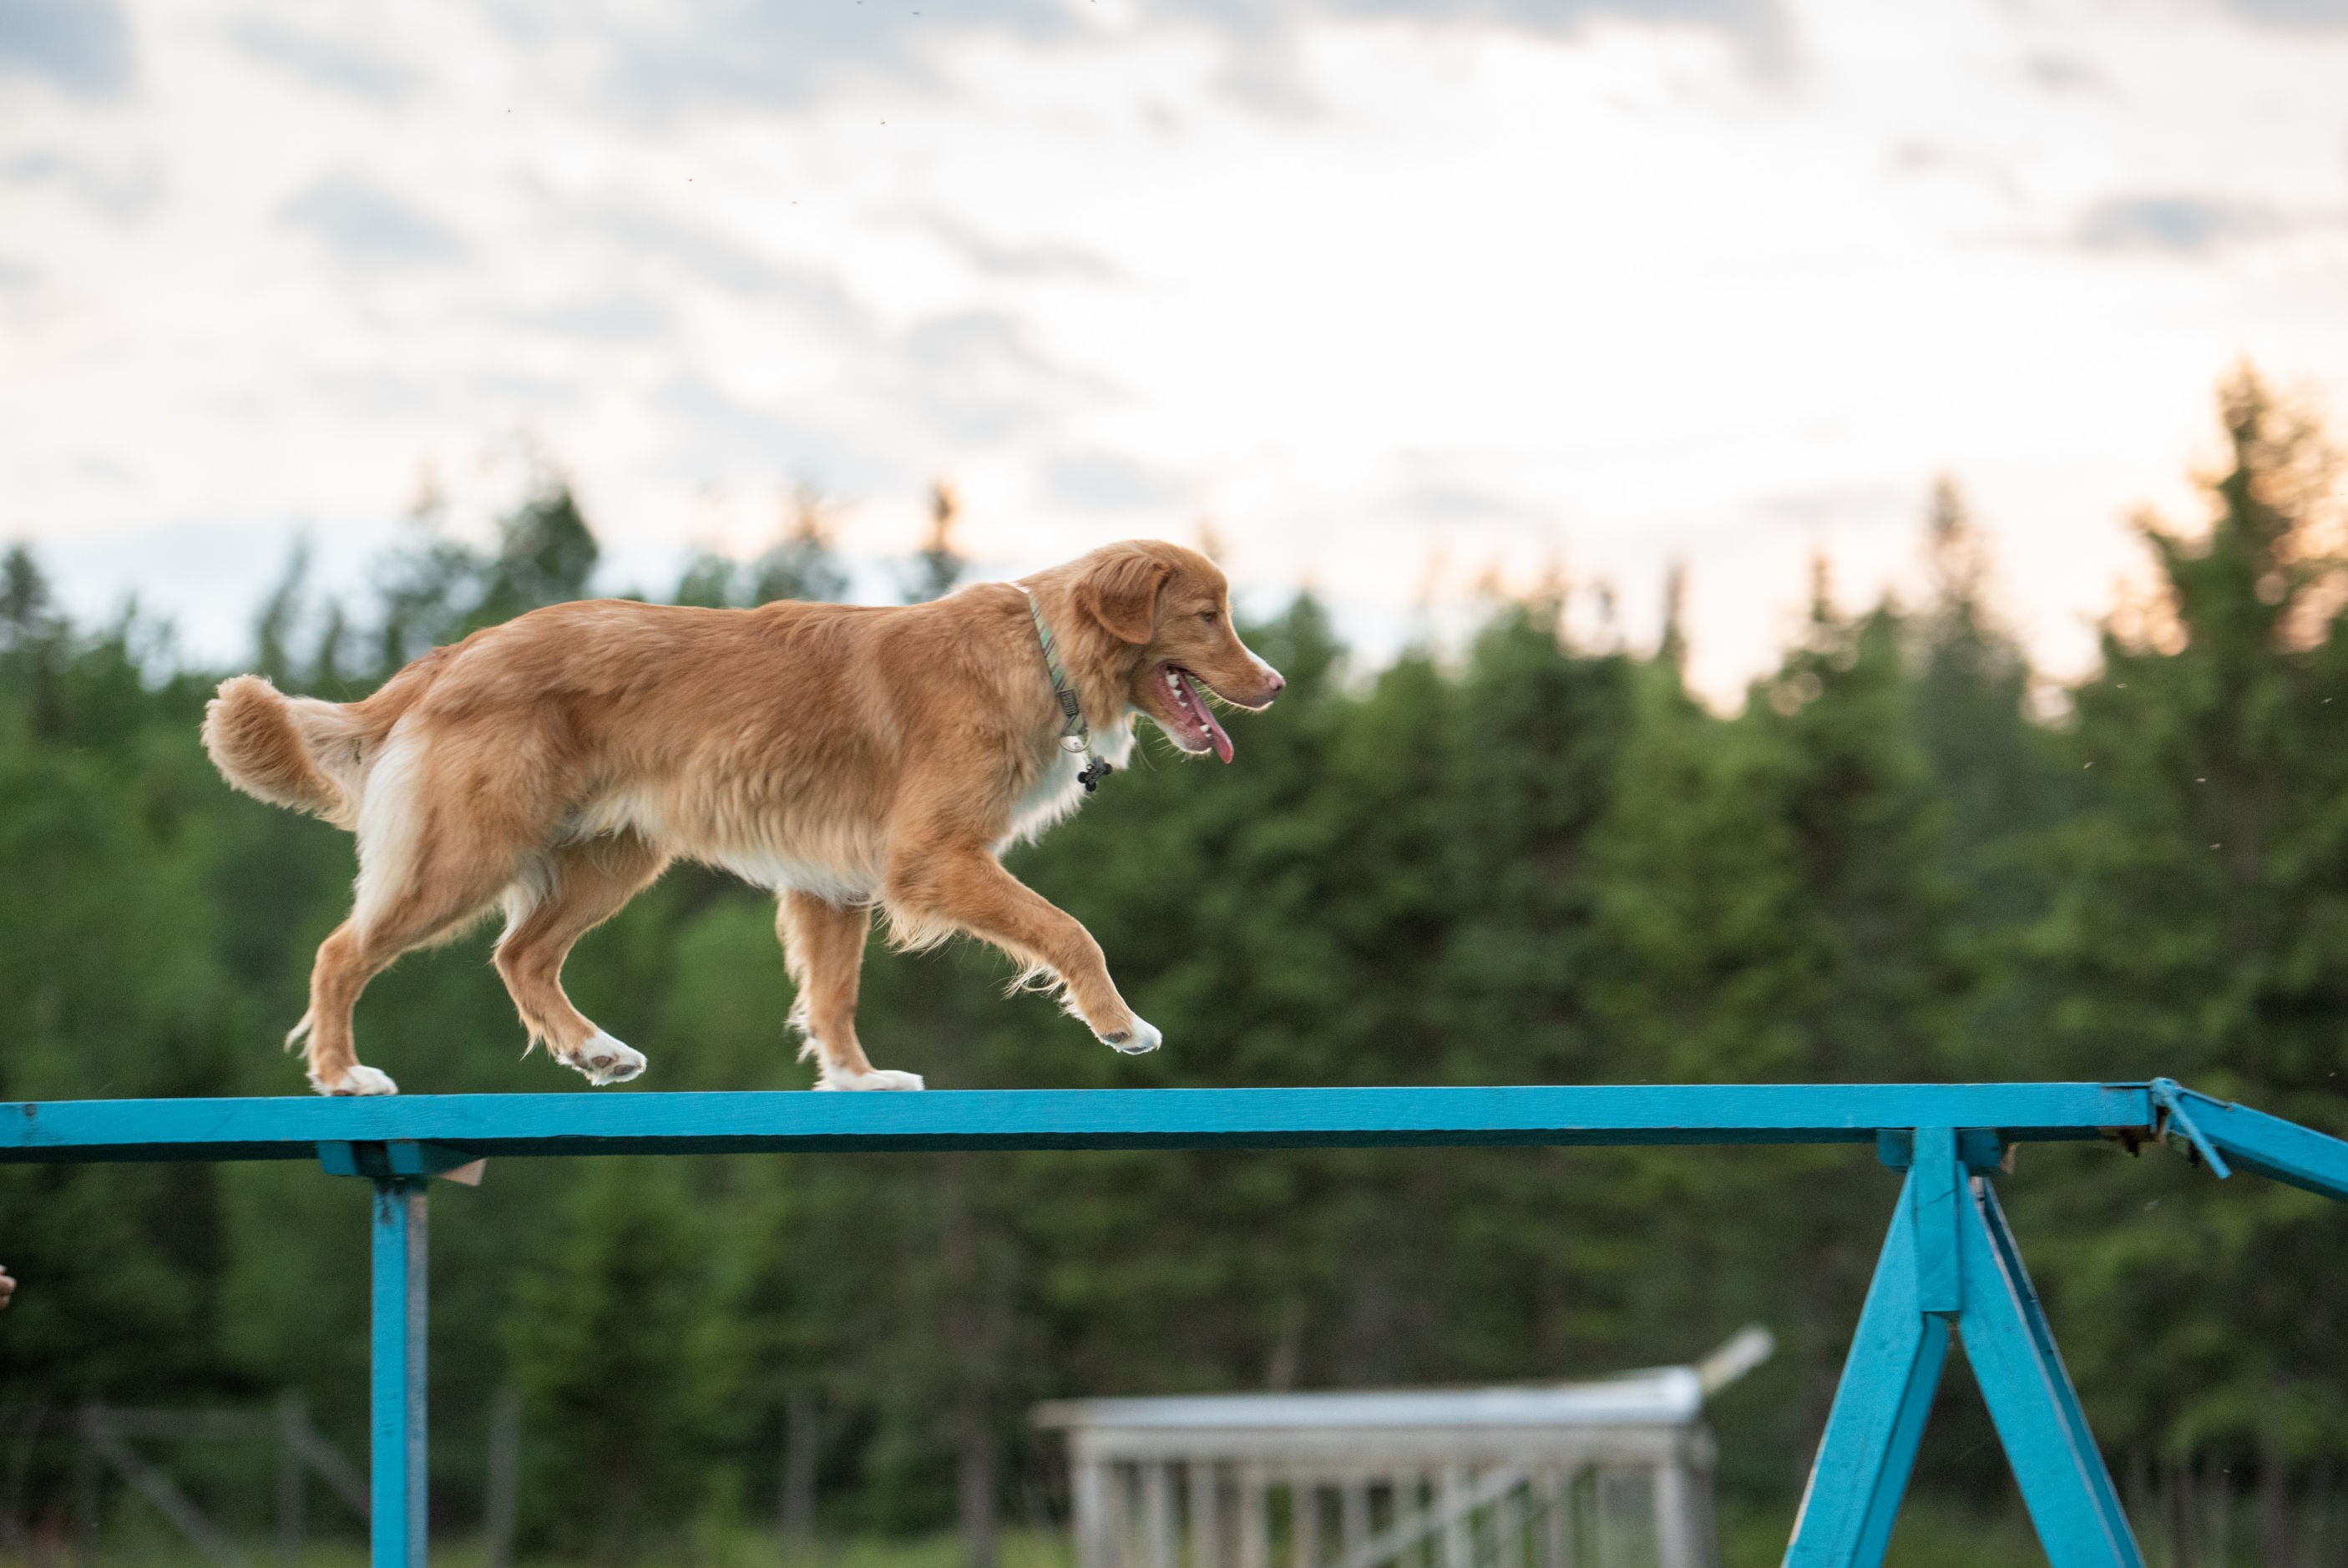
(844, 757)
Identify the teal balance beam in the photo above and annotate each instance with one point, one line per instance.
(1949, 1266)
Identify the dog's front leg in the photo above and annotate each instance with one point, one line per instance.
(823, 946)
(962, 886)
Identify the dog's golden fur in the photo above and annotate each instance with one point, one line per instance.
(845, 756)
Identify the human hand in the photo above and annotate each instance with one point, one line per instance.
(7, 1286)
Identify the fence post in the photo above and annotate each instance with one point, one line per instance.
(291, 1468)
(795, 1511)
(504, 1494)
(85, 1482)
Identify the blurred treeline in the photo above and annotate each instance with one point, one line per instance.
(1536, 860)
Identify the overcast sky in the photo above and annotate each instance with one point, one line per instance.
(1389, 292)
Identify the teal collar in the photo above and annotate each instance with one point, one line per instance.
(1076, 735)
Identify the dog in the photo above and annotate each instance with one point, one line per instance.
(848, 758)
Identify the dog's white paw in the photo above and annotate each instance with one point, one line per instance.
(606, 1060)
(1139, 1041)
(878, 1077)
(358, 1079)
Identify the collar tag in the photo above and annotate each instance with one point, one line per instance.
(1076, 735)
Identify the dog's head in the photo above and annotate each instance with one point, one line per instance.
(1169, 610)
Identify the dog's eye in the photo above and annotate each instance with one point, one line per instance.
(1209, 616)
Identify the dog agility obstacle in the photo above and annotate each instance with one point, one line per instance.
(1949, 1263)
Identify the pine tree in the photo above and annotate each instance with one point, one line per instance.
(619, 1352)
(2203, 886)
(939, 564)
(803, 563)
(434, 589)
(1999, 776)
(1769, 907)
(546, 555)
(28, 608)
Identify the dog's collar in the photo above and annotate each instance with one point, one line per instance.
(1076, 735)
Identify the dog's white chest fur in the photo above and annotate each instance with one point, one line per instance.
(1058, 792)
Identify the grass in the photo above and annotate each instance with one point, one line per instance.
(1932, 1532)
(732, 1547)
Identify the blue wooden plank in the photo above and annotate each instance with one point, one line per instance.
(571, 1123)
(1877, 1418)
(396, 1448)
(2105, 1495)
(1936, 1185)
(2064, 1483)
(2269, 1146)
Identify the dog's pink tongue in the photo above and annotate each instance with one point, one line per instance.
(1207, 716)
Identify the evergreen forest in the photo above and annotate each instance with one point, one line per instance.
(1532, 858)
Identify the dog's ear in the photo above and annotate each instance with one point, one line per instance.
(1121, 593)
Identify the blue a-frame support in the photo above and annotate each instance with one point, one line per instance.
(395, 1449)
(1948, 1265)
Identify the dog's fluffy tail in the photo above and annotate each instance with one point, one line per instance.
(301, 751)
(289, 751)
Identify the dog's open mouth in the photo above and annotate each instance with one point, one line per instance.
(1193, 726)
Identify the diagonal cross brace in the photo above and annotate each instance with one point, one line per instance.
(1950, 1263)
(2227, 1134)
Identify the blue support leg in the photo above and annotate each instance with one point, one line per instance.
(396, 1492)
(1869, 1448)
(2065, 1482)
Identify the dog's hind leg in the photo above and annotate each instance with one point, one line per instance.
(574, 890)
(437, 842)
(950, 886)
(823, 946)
(391, 919)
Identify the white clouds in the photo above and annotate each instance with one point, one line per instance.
(1725, 284)
(337, 65)
(363, 223)
(80, 45)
